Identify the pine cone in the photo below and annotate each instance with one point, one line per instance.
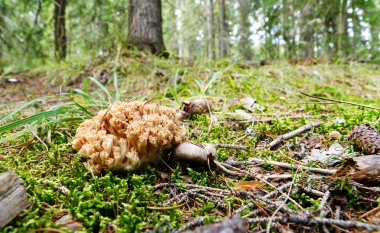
(366, 138)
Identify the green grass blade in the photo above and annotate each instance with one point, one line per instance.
(19, 108)
(30, 119)
(115, 77)
(103, 88)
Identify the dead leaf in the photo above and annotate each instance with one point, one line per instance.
(197, 106)
(249, 185)
(250, 104)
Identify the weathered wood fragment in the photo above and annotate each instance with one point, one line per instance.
(13, 199)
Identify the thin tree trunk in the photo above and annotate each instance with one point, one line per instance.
(285, 28)
(179, 9)
(374, 27)
(223, 36)
(356, 27)
(145, 25)
(244, 30)
(210, 29)
(307, 33)
(2, 39)
(342, 29)
(60, 39)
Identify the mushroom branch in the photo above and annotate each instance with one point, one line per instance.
(128, 135)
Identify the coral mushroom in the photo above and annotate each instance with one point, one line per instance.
(128, 135)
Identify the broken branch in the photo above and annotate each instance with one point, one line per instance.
(255, 161)
(294, 133)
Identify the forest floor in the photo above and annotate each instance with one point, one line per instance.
(251, 107)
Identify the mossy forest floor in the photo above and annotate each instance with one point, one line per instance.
(58, 184)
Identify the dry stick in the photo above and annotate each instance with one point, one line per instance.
(268, 203)
(308, 189)
(265, 181)
(181, 196)
(218, 203)
(294, 218)
(265, 198)
(266, 120)
(324, 201)
(278, 209)
(227, 171)
(228, 146)
(255, 161)
(339, 101)
(358, 185)
(294, 133)
(196, 222)
(163, 185)
(322, 210)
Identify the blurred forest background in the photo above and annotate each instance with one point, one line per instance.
(327, 30)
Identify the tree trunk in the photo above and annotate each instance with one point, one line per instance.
(60, 39)
(307, 32)
(2, 39)
(145, 25)
(342, 29)
(373, 18)
(179, 10)
(210, 29)
(244, 30)
(223, 34)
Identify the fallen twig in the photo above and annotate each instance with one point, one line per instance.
(294, 218)
(361, 186)
(237, 147)
(278, 208)
(163, 185)
(294, 133)
(196, 222)
(265, 198)
(255, 161)
(339, 101)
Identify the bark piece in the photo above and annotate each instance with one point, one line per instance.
(232, 225)
(367, 169)
(13, 199)
(363, 169)
(366, 138)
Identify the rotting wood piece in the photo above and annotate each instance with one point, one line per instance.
(13, 199)
(368, 169)
(363, 169)
(366, 138)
